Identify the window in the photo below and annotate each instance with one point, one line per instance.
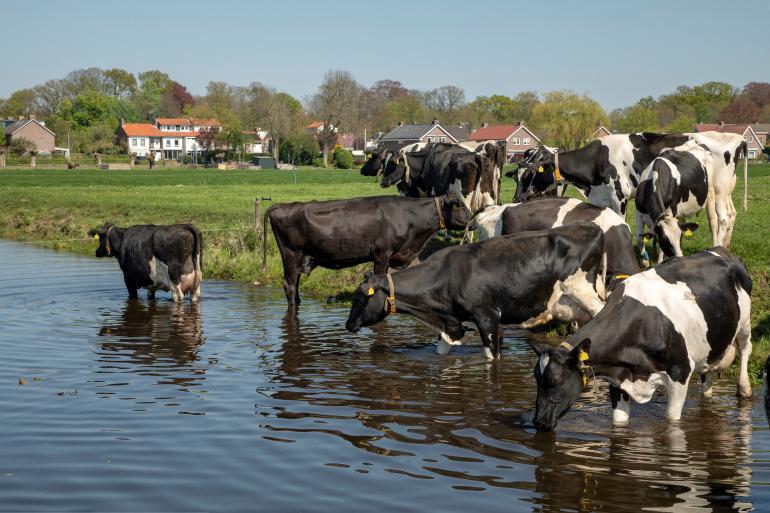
(141, 142)
(442, 139)
(177, 128)
(431, 139)
(176, 142)
(168, 142)
(525, 141)
(133, 142)
(752, 154)
(515, 140)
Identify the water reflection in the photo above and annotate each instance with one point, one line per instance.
(154, 338)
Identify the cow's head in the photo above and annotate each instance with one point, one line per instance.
(370, 304)
(109, 239)
(535, 178)
(456, 213)
(560, 375)
(374, 163)
(393, 169)
(668, 234)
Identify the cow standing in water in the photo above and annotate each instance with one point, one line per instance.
(687, 315)
(526, 279)
(168, 258)
(387, 230)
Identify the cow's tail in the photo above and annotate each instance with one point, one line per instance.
(265, 220)
(197, 248)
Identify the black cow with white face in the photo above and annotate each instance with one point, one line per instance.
(526, 279)
(606, 171)
(674, 186)
(168, 258)
(387, 230)
(687, 315)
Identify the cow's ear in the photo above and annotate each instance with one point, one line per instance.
(92, 232)
(539, 347)
(647, 236)
(582, 350)
(688, 228)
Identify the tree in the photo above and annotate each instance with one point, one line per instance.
(175, 99)
(20, 103)
(567, 119)
(335, 105)
(50, 95)
(757, 93)
(274, 111)
(89, 108)
(121, 83)
(152, 85)
(740, 111)
(446, 101)
(206, 138)
(640, 117)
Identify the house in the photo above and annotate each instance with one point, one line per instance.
(517, 137)
(141, 139)
(755, 144)
(402, 135)
(32, 130)
(167, 138)
(257, 141)
(315, 128)
(600, 132)
(762, 130)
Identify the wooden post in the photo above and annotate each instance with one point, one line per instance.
(257, 213)
(746, 182)
(33, 160)
(2, 157)
(98, 159)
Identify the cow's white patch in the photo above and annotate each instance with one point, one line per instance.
(572, 299)
(642, 390)
(743, 340)
(714, 253)
(159, 274)
(677, 303)
(565, 209)
(543, 362)
(609, 219)
(489, 222)
(621, 412)
(488, 353)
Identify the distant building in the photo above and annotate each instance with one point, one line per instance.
(517, 137)
(32, 130)
(754, 143)
(257, 141)
(167, 138)
(402, 135)
(600, 132)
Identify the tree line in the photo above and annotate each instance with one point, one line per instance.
(89, 104)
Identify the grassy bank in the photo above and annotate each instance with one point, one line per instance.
(46, 204)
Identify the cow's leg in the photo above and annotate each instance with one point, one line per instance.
(580, 288)
(130, 286)
(743, 338)
(175, 282)
(707, 383)
(488, 322)
(444, 344)
(644, 257)
(711, 214)
(621, 406)
(150, 293)
(381, 261)
(731, 223)
(723, 218)
(677, 393)
(291, 262)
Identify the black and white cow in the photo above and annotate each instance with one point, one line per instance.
(154, 257)
(493, 282)
(439, 168)
(674, 186)
(606, 171)
(387, 230)
(687, 315)
(554, 212)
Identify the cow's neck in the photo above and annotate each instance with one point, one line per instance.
(413, 293)
(576, 166)
(609, 356)
(115, 240)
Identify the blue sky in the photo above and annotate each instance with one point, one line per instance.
(617, 51)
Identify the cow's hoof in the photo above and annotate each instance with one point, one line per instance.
(488, 354)
(744, 392)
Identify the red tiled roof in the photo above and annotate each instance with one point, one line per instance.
(141, 129)
(731, 128)
(315, 124)
(495, 132)
(173, 121)
(169, 133)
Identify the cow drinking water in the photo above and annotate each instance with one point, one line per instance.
(687, 315)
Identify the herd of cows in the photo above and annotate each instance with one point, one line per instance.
(540, 258)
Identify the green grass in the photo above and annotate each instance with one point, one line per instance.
(52, 204)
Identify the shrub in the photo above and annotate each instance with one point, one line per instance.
(343, 159)
(318, 162)
(20, 146)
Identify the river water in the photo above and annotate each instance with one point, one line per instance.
(108, 404)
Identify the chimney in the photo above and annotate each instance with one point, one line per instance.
(122, 122)
(32, 117)
(400, 123)
(19, 118)
(434, 122)
(484, 124)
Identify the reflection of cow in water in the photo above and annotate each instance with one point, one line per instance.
(164, 335)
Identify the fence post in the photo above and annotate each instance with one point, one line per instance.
(746, 182)
(257, 213)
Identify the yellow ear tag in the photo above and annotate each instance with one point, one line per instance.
(582, 356)
(370, 292)
(540, 169)
(688, 233)
(585, 380)
(96, 237)
(368, 155)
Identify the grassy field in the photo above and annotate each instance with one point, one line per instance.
(46, 204)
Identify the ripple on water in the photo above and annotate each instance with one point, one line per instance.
(149, 405)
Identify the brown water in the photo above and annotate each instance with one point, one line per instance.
(230, 406)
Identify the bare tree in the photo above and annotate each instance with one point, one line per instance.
(274, 111)
(336, 106)
(446, 101)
